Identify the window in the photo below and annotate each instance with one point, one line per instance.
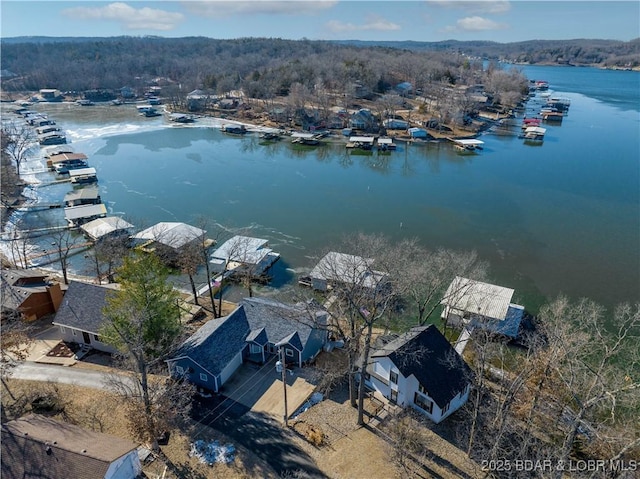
(422, 389)
(393, 377)
(180, 370)
(446, 408)
(203, 377)
(62, 329)
(255, 349)
(423, 403)
(394, 396)
(289, 352)
(73, 331)
(95, 336)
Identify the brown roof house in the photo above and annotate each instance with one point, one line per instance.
(29, 292)
(38, 446)
(80, 316)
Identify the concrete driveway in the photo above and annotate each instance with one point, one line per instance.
(260, 389)
(42, 343)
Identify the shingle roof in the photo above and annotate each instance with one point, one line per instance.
(216, 342)
(255, 319)
(38, 446)
(426, 354)
(16, 285)
(82, 306)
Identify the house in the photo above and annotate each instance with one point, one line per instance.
(340, 268)
(244, 254)
(404, 88)
(363, 119)
(39, 446)
(168, 239)
(420, 369)
(255, 331)
(29, 293)
(50, 94)
(482, 305)
(80, 316)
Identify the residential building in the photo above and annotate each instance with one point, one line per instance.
(420, 369)
(81, 316)
(257, 330)
(29, 292)
(38, 446)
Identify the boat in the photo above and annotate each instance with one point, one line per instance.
(386, 144)
(52, 138)
(468, 145)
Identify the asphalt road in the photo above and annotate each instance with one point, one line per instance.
(259, 433)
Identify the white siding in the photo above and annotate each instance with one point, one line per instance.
(126, 467)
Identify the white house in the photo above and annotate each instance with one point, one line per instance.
(420, 369)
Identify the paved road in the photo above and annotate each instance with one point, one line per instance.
(59, 374)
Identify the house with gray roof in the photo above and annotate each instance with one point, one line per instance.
(257, 330)
(80, 316)
(29, 293)
(420, 369)
(39, 446)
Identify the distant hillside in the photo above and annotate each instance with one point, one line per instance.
(604, 53)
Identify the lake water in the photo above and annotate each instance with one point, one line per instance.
(563, 217)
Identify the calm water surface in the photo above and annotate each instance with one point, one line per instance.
(563, 217)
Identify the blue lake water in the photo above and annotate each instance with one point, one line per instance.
(563, 217)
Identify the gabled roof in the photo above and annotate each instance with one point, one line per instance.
(215, 344)
(88, 193)
(479, 298)
(82, 306)
(16, 285)
(172, 234)
(104, 226)
(38, 446)
(256, 319)
(424, 353)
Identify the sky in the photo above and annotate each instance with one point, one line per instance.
(419, 20)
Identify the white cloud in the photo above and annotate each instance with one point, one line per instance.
(372, 23)
(475, 24)
(131, 18)
(478, 6)
(226, 8)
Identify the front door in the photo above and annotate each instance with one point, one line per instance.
(85, 337)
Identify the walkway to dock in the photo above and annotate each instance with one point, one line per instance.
(56, 251)
(462, 341)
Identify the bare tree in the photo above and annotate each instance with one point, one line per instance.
(17, 142)
(63, 244)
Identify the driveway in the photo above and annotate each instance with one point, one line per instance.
(44, 342)
(52, 373)
(260, 389)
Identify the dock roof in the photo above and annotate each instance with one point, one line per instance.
(82, 172)
(88, 193)
(101, 227)
(84, 211)
(348, 269)
(469, 142)
(243, 249)
(478, 298)
(66, 156)
(172, 234)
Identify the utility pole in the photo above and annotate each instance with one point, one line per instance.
(283, 366)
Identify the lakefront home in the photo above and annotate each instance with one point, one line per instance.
(29, 293)
(420, 369)
(257, 330)
(80, 316)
